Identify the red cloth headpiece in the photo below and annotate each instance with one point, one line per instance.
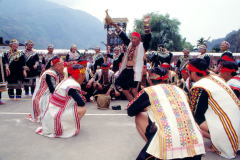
(194, 69)
(165, 66)
(75, 72)
(183, 71)
(55, 61)
(136, 34)
(223, 69)
(227, 58)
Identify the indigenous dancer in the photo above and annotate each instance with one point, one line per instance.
(227, 70)
(169, 129)
(215, 108)
(32, 63)
(164, 56)
(98, 59)
(48, 56)
(183, 60)
(47, 83)
(73, 54)
(132, 63)
(224, 47)
(3, 84)
(16, 70)
(65, 107)
(203, 54)
(117, 58)
(234, 83)
(103, 79)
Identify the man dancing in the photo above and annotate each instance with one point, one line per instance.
(132, 64)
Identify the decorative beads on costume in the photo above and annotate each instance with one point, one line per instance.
(132, 101)
(195, 95)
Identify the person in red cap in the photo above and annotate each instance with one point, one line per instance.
(215, 108)
(46, 86)
(132, 64)
(65, 107)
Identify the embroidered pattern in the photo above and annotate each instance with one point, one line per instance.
(185, 127)
(187, 135)
(194, 98)
(165, 136)
(229, 91)
(135, 98)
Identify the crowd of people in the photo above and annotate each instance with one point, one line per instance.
(175, 104)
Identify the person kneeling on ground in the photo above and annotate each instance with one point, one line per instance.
(215, 108)
(46, 86)
(169, 129)
(66, 106)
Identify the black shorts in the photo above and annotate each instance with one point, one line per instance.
(126, 79)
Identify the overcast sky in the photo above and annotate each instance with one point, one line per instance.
(205, 18)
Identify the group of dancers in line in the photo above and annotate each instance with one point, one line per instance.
(174, 109)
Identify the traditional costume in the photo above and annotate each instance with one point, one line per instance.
(3, 84)
(32, 62)
(182, 62)
(103, 78)
(203, 54)
(61, 118)
(132, 63)
(73, 55)
(98, 60)
(16, 61)
(234, 83)
(172, 132)
(46, 86)
(213, 101)
(48, 56)
(164, 57)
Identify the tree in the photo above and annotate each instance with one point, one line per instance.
(202, 41)
(165, 31)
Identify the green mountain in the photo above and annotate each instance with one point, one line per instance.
(233, 38)
(46, 22)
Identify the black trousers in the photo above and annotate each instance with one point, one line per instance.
(11, 92)
(29, 84)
